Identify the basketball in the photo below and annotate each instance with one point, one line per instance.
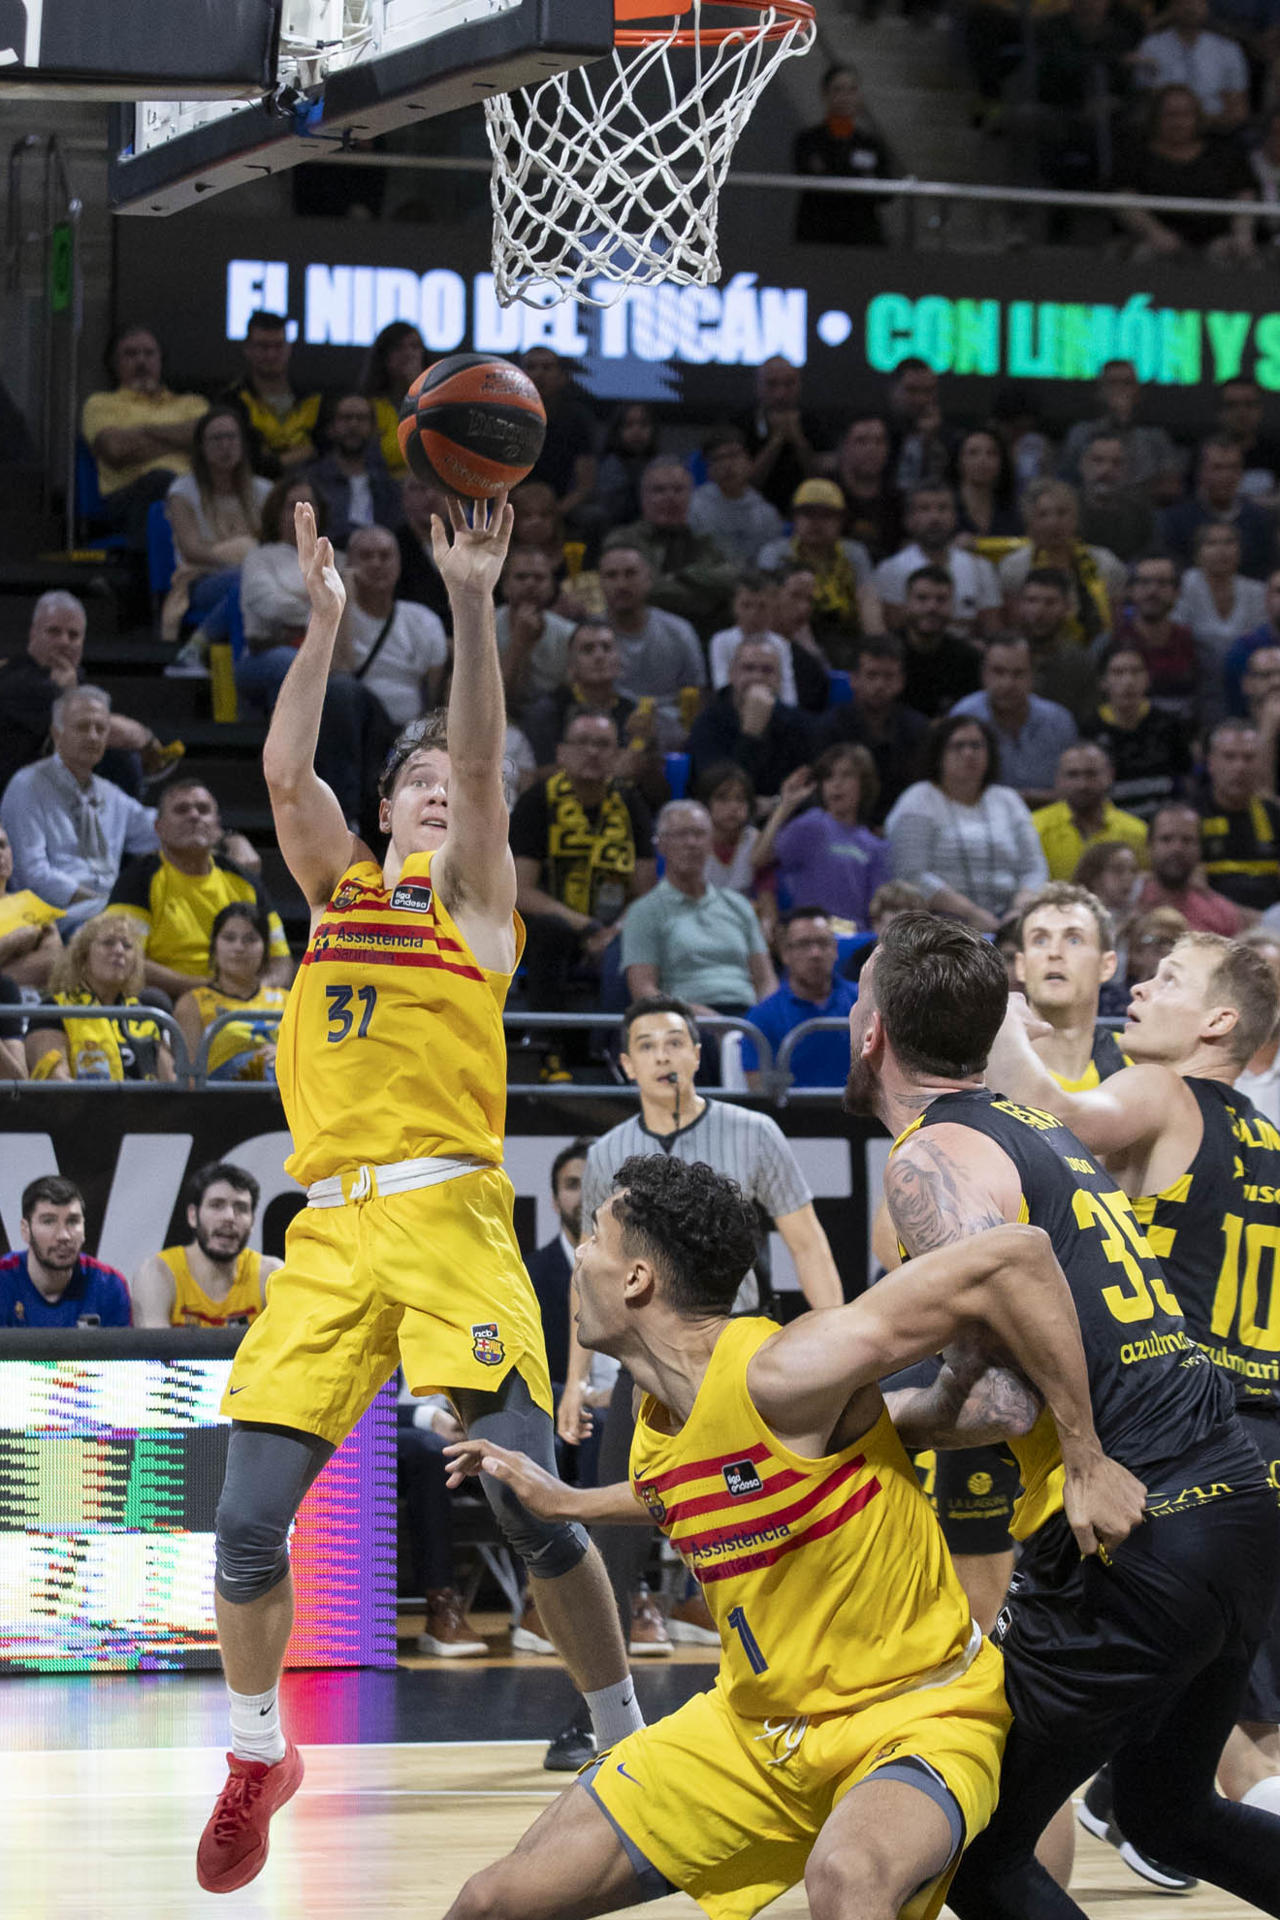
(472, 424)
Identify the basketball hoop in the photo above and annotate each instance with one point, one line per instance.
(613, 172)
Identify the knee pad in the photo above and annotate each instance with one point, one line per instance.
(549, 1548)
(250, 1557)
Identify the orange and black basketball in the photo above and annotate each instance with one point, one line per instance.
(472, 424)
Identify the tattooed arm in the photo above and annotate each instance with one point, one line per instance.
(942, 1185)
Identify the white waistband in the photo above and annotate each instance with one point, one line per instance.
(401, 1176)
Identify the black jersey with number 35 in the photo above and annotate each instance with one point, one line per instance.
(1159, 1407)
(1216, 1233)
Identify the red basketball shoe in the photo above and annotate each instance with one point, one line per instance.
(233, 1847)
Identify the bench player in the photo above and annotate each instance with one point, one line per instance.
(852, 1738)
(392, 1069)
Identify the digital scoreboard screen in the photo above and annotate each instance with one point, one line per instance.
(110, 1472)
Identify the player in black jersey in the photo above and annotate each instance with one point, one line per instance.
(1202, 1166)
(1143, 1659)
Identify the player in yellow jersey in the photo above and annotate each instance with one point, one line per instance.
(217, 1279)
(391, 1065)
(853, 1736)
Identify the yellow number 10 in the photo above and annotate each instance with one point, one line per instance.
(1125, 1246)
(1240, 1290)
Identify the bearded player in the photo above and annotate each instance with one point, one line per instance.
(392, 1070)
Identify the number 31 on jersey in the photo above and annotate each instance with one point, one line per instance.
(343, 1016)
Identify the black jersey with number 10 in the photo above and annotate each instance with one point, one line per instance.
(1159, 1407)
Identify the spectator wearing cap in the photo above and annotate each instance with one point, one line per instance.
(692, 574)
(976, 607)
(785, 439)
(749, 722)
(1084, 812)
(727, 508)
(846, 605)
(811, 990)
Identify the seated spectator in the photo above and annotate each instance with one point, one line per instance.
(1260, 1081)
(539, 523)
(1147, 745)
(30, 682)
(699, 943)
(273, 597)
(845, 604)
(1154, 935)
(923, 447)
(282, 424)
(396, 358)
(1015, 415)
(216, 515)
(1182, 670)
(567, 462)
(175, 895)
(54, 1282)
(1239, 418)
(1031, 732)
(967, 843)
(1239, 821)
(630, 443)
(985, 506)
(351, 476)
(1095, 577)
(878, 718)
(101, 966)
(583, 849)
(140, 434)
(749, 722)
(1173, 855)
(1153, 462)
(532, 640)
(726, 508)
(550, 1269)
(754, 601)
(873, 511)
(845, 145)
(592, 667)
(662, 659)
(791, 616)
(1265, 634)
(1109, 869)
(394, 648)
(729, 796)
(68, 828)
(216, 1279)
(785, 440)
(824, 853)
(1218, 497)
(1084, 811)
(692, 574)
(1061, 670)
(419, 576)
(940, 666)
(1216, 600)
(1113, 514)
(239, 961)
(887, 902)
(811, 990)
(1262, 697)
(931, 523)
(29, 942)
(1207, 65)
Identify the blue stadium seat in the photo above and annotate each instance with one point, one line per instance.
(89, 500)
(676, 768)
(162, 557)
(840, 688)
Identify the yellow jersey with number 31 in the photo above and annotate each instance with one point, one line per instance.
(392, 1046)
(828, 1578)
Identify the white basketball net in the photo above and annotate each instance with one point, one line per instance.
(613, 172)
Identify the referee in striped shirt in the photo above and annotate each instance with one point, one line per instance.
(661, 1057)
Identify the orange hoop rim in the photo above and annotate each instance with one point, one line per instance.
(794, 13)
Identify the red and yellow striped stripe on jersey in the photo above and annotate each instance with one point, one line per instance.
(828, 1578)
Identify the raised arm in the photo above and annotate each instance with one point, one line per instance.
(474, 869)
(315, 840)
(152, 1291)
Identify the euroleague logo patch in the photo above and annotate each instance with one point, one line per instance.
(741, 1479)
(412, 896)
(486, 1346)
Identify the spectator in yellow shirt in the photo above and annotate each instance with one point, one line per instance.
(140, 434)
(282, 423)
(1084, 813)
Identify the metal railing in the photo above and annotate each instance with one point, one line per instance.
(61, 293)
(52, 1013)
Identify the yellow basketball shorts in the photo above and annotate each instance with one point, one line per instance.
(728, 1809)
(431, 1279)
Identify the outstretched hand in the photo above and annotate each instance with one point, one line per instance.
(541, 1492)
(472, 561)
(1103, 1503)
(324, 583)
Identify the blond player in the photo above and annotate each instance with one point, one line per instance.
(392, 1069)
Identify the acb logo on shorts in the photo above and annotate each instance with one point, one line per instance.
(741, 1479)
(486, 1346)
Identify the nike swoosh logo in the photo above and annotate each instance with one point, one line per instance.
(628, 1776)
(263, 1712)
(630, 1699)
(231, 1390)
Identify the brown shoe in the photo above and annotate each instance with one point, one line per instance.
(690, 1623)
(649, 1636)
(449, 1634)
(531, 1636)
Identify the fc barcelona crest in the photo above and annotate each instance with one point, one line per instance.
(654, 1502)
(346, 896)
(486, 1346)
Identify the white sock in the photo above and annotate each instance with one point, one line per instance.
(255, 1726)
(614, 1712)
(1266, 1794)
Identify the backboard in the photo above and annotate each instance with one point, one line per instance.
(81, 49)
(348, 70)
